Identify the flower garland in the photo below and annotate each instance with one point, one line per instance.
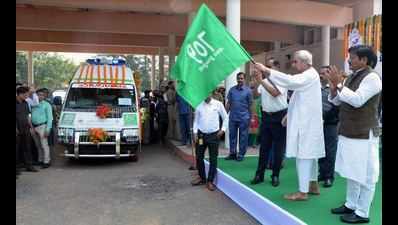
(103, 111)
(97, 135)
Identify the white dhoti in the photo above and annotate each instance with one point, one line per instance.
(307, 170)
(358, 161)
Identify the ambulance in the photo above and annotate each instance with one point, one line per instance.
(101, 82)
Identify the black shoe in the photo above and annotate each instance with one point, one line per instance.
(353, 218)
(45, 165)
(257, 180)
(328, 183)
(275, 181)
(342, 210)
(239, 158)
(231, 157)
(37, 163)
(198, 181)
(31, 169)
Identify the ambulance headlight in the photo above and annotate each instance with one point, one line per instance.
(130, 132)
(65, 135)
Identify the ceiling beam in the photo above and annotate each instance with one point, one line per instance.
(51, 47)
(55, 19)
(298, 12)
(117, 41)
(301, 12)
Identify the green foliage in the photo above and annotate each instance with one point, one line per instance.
(140, 63)
(21, 67)
(54, 71)
(49, 70)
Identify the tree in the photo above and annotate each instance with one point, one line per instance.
(21, 67)
(140, 63)
(49, 70)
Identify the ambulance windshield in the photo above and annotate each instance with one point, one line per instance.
(87, 99)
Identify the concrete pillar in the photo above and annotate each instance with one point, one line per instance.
(247, 72)
(153, 73)
(30, 69)
(325, 45)
(277, 46)
(233, 26)
(377, 7)
(340, 34)
(161, 66)
(172, 51)
(191, 16)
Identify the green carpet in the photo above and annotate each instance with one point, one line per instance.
(315, 211)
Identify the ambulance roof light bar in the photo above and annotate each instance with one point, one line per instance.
(107, 60)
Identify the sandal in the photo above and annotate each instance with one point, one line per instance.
(297, 196)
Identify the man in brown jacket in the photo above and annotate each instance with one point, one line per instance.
(357, 157)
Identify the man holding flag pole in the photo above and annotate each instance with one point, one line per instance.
(209, 54)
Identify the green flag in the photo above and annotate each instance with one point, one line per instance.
(208, 55)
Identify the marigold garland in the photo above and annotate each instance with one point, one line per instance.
(103, 111)
(97, 135)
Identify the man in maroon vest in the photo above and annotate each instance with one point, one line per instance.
(357, 157)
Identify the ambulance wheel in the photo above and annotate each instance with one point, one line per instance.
(133, 158)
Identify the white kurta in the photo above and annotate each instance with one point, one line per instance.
(304, 137)
(358, 159)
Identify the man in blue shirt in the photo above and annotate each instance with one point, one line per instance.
(239, 100)
(184, 113)
(42, 119)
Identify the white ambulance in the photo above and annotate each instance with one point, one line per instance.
(100, 82)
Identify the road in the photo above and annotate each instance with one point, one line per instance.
(155, 190)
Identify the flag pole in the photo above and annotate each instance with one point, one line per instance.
(193, 144)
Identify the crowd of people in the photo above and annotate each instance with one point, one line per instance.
(327, 120)
(36, 118)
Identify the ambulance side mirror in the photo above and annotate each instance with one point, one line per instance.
(57, 100)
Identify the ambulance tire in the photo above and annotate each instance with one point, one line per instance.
(133, 158)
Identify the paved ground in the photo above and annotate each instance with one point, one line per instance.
(153, 191)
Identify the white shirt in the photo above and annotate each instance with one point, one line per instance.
(369, 87)
(207, 117)
(270, 103)
(33, 101)
(304, 135)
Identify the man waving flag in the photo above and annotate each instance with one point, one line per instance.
(208, 55)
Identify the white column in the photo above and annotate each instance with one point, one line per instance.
(153, 72)
(172, 51)
(233, 26)
(325, 45)
(277, 46)
(30, 69)
(161, 66)
(377, 7)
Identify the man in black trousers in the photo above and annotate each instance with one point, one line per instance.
(273, 133)
(207, 134)
(330, 114)
(24, 126)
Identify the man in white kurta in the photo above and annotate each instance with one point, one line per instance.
(357, 159)
(304, 138)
